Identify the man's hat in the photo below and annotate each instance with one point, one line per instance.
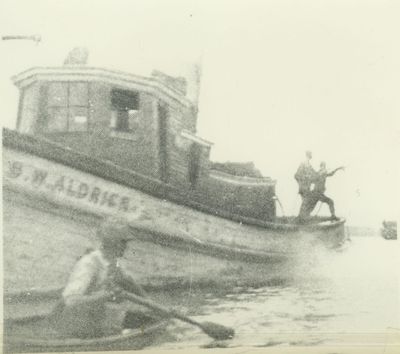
(114, 229)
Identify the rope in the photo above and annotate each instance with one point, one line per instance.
(320, 205)
(280, 204)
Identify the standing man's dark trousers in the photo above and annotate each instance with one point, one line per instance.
(320, 197)
(307, 204)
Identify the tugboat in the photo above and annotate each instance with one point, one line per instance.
(91, 142)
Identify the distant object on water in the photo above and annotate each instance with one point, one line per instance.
(389, 230)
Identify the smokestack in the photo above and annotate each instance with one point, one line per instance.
(77, 56)
(194, 78)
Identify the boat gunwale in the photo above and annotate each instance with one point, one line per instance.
(175, 239)
(47, 149)
(79, 342)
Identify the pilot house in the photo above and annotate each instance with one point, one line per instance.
(142, 124)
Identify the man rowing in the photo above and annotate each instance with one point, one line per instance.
(91, 297)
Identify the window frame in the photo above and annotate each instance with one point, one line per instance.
(69, 107)
(116, 111)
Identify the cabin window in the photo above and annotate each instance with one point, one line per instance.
(124, 110)
(68, 107)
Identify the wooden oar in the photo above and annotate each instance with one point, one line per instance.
(214, 330)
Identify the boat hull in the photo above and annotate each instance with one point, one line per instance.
(51, 211)
(27, 335)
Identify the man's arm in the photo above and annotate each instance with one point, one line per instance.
(335, 170)
(96, 297)
(128, 284)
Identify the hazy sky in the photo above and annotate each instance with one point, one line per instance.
(279, 77)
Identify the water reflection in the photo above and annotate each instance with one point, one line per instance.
(345, 297)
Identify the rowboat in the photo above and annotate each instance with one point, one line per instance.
(37, 334)
(92, 142)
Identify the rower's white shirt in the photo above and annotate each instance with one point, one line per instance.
(88, 276)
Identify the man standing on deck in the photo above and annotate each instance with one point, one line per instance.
(305, 176)
(90, 299)
(317, 194)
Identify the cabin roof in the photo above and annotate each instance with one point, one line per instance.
(192, 137)
(242, 180)
(151, 85)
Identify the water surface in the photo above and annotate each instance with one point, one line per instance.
(344, 297)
